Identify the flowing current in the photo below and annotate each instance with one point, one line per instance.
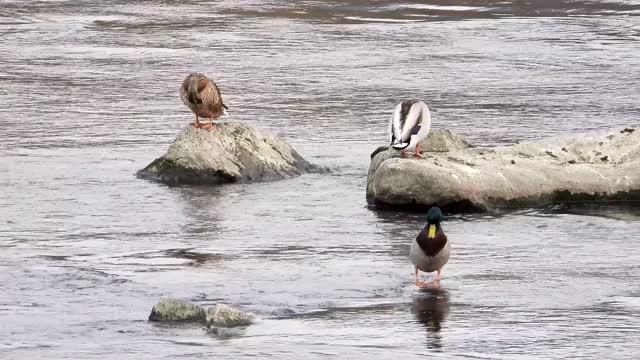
(89, 95)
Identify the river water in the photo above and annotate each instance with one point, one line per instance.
(89, 95)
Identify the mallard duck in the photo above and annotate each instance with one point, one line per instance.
(430, 249)
(202, 96)
(409, 124)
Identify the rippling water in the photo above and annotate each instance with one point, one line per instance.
(88, 95)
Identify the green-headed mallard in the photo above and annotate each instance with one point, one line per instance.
(409, 125)
(202, 96)
(430, 249)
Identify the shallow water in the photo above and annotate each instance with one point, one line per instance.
(88, 95)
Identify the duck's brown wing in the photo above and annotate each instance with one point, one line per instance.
(216, 91)
(220, 96)
(212, 97)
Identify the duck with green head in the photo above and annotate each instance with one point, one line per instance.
(430, 249)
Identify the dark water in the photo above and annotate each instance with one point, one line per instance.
(88, 95)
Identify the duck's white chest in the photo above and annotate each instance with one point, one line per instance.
(428, 263)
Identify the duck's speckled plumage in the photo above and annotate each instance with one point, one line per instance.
(202, 96)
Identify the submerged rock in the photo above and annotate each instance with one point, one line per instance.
(584, 167)
(177, 310)
(232, 152)
(222, 315)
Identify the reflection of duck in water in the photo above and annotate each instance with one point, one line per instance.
(410, 124)
(430, 249)
(202, 96)
(431, 307)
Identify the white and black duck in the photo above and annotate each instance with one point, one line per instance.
(409, 125)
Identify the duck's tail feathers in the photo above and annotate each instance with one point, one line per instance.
(224, 110)
(400, 145)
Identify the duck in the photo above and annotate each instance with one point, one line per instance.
(409, 125)
(202, 96)
(430, 249)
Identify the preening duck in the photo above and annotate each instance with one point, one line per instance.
(202, 96)
(430, 249)
(409, 124)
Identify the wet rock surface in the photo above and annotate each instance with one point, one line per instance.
(222, 315)
(176, 310)
(217, 316)
(595, 166)
(232, 152)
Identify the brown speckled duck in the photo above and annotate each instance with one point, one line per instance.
(202, 96)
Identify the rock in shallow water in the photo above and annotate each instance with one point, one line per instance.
(177, 310)
(220, 315)
(584, 167)
(232, 152)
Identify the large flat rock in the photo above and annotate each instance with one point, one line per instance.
(232, 152)
(596, 166)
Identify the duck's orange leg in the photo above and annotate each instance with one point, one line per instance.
(418, 282)
(436, 281)
(418, 155)
(197, 123)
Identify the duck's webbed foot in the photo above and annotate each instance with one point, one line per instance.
(420, 283)
(435, 282)
(418, 154)
(432, 283)
(208, 127)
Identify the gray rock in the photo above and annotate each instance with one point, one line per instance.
(222, 315)
(177, 310)
(232, 152)
(584, 167)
